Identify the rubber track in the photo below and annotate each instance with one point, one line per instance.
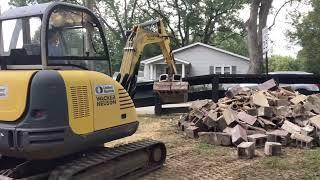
(66, 171)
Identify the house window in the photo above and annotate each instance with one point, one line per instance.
(218, 70)
(227, 70)
(222, 69)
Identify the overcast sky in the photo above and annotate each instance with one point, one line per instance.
(279, 43)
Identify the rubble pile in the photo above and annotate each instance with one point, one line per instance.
(267, 114)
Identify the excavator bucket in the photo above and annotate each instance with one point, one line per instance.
(171, 89)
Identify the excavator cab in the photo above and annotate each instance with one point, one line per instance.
(53, 36)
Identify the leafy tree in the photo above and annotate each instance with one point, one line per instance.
(307, 35)
(193, 20)
(285, 63)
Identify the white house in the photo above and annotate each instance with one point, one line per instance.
(198, 59)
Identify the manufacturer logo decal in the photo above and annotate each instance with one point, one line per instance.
(105, 95)
(3, 91)
(104, 89)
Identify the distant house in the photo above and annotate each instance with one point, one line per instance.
(198, 59)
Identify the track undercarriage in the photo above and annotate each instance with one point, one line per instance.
(123, 162)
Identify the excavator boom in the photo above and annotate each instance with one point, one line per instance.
(169, 88)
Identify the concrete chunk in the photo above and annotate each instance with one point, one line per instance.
(229, 116)
(199, 104)
(315, 121)
(192, 132)
(239, 135)
(228, 130)
(223, 139)
(258, 139)
(298, 110)
(283, 111)
(290, 127)
(182, 119)
(272, 149)
(221, 123)
(298, 99)
(215, 138)
(247, 118)
(246, 150)
(267, 85)
(302, 141)
(197, 113)
(314, 99)
(280, 136)
(184, 125)
(265, 112)
(213, 115)
(233, 91)
(278, 132)
(307, 130)
(210, 123)
(260, 99)
(252, 112)
(282, 102)
(267, 122)
(301, 137)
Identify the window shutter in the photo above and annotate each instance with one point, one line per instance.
(211, 69)
(234, 69)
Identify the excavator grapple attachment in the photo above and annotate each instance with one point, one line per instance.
(171, 89)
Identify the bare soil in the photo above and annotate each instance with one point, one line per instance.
(191, 159)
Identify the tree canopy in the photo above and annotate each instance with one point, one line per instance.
(285, 63)
(307, 34)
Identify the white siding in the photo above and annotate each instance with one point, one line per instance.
(201, 58)
(146, 71)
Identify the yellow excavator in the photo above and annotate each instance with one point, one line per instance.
(170, 88)
(58, 103)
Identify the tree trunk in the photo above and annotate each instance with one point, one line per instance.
(259, 9)
(253, 37)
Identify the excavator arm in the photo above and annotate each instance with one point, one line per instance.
(151, 32)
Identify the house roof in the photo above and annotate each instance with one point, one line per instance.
(159, 57)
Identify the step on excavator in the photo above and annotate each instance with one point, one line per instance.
(58, 103)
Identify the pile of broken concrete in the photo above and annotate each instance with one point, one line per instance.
(266, 114)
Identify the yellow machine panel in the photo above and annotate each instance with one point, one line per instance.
(112, 104)
(99, 101)
(13, 93)
(80, 105)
